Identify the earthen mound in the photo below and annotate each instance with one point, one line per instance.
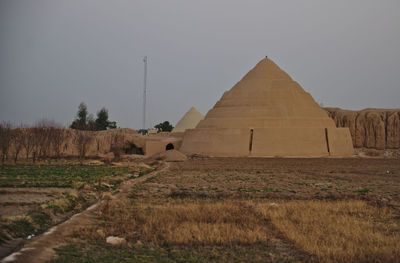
(168, 156)
(174, 156)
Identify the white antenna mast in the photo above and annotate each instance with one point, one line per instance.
(144, 93)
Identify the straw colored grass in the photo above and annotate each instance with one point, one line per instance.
(330, 231)
(342, 231)
(222, 223)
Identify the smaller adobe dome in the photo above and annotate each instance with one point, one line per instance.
(189, 120)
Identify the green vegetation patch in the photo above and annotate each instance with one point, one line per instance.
(362, 191)
(66, 203)
(21, 226)
(56, 176)
(100, 252)
(41, 218)
(104, 253)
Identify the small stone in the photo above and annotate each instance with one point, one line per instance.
(273, 205)
(115, 241)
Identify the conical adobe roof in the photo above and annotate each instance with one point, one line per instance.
(266, 97)
(267, 114)
(189, 121)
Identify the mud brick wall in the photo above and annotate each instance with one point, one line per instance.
(370, 128)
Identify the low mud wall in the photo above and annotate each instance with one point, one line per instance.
(98, 143)
(94, 143)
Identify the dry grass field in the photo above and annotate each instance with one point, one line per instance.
(339, 231)
(247, 210)
(253, 210)
(327, 231)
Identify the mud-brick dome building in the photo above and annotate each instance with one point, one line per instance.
(267, 113)
(189, 121)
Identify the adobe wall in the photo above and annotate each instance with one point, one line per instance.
(153, 146)
(268, 142)
(370, 128)
(217, 142)
(101, 142)
(340, 143)
(291, 142)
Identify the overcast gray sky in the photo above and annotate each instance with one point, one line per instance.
(56, 54)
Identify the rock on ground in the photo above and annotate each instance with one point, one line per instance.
(115, 241)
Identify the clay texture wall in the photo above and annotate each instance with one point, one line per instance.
(188, 121)
(370, 128)
(101, 142)
(217, 142)
(157, 146)
(267, 113)
(307, 142)
(269, 142)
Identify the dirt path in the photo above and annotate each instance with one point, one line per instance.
(41, 248)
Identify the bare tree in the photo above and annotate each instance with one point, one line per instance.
(117, 144)
(44, 131)
(65, 144)
(27, 142)
(82, 141)
(17, 140)
(5, 140)
(44, 143)
(57, 137)
(36, 142)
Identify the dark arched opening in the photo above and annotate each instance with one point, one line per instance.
(133, 149)
(169, 146)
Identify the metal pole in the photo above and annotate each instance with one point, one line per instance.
(144, 93)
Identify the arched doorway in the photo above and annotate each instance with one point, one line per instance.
(169, 146)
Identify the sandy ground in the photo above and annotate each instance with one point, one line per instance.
(373, 179)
